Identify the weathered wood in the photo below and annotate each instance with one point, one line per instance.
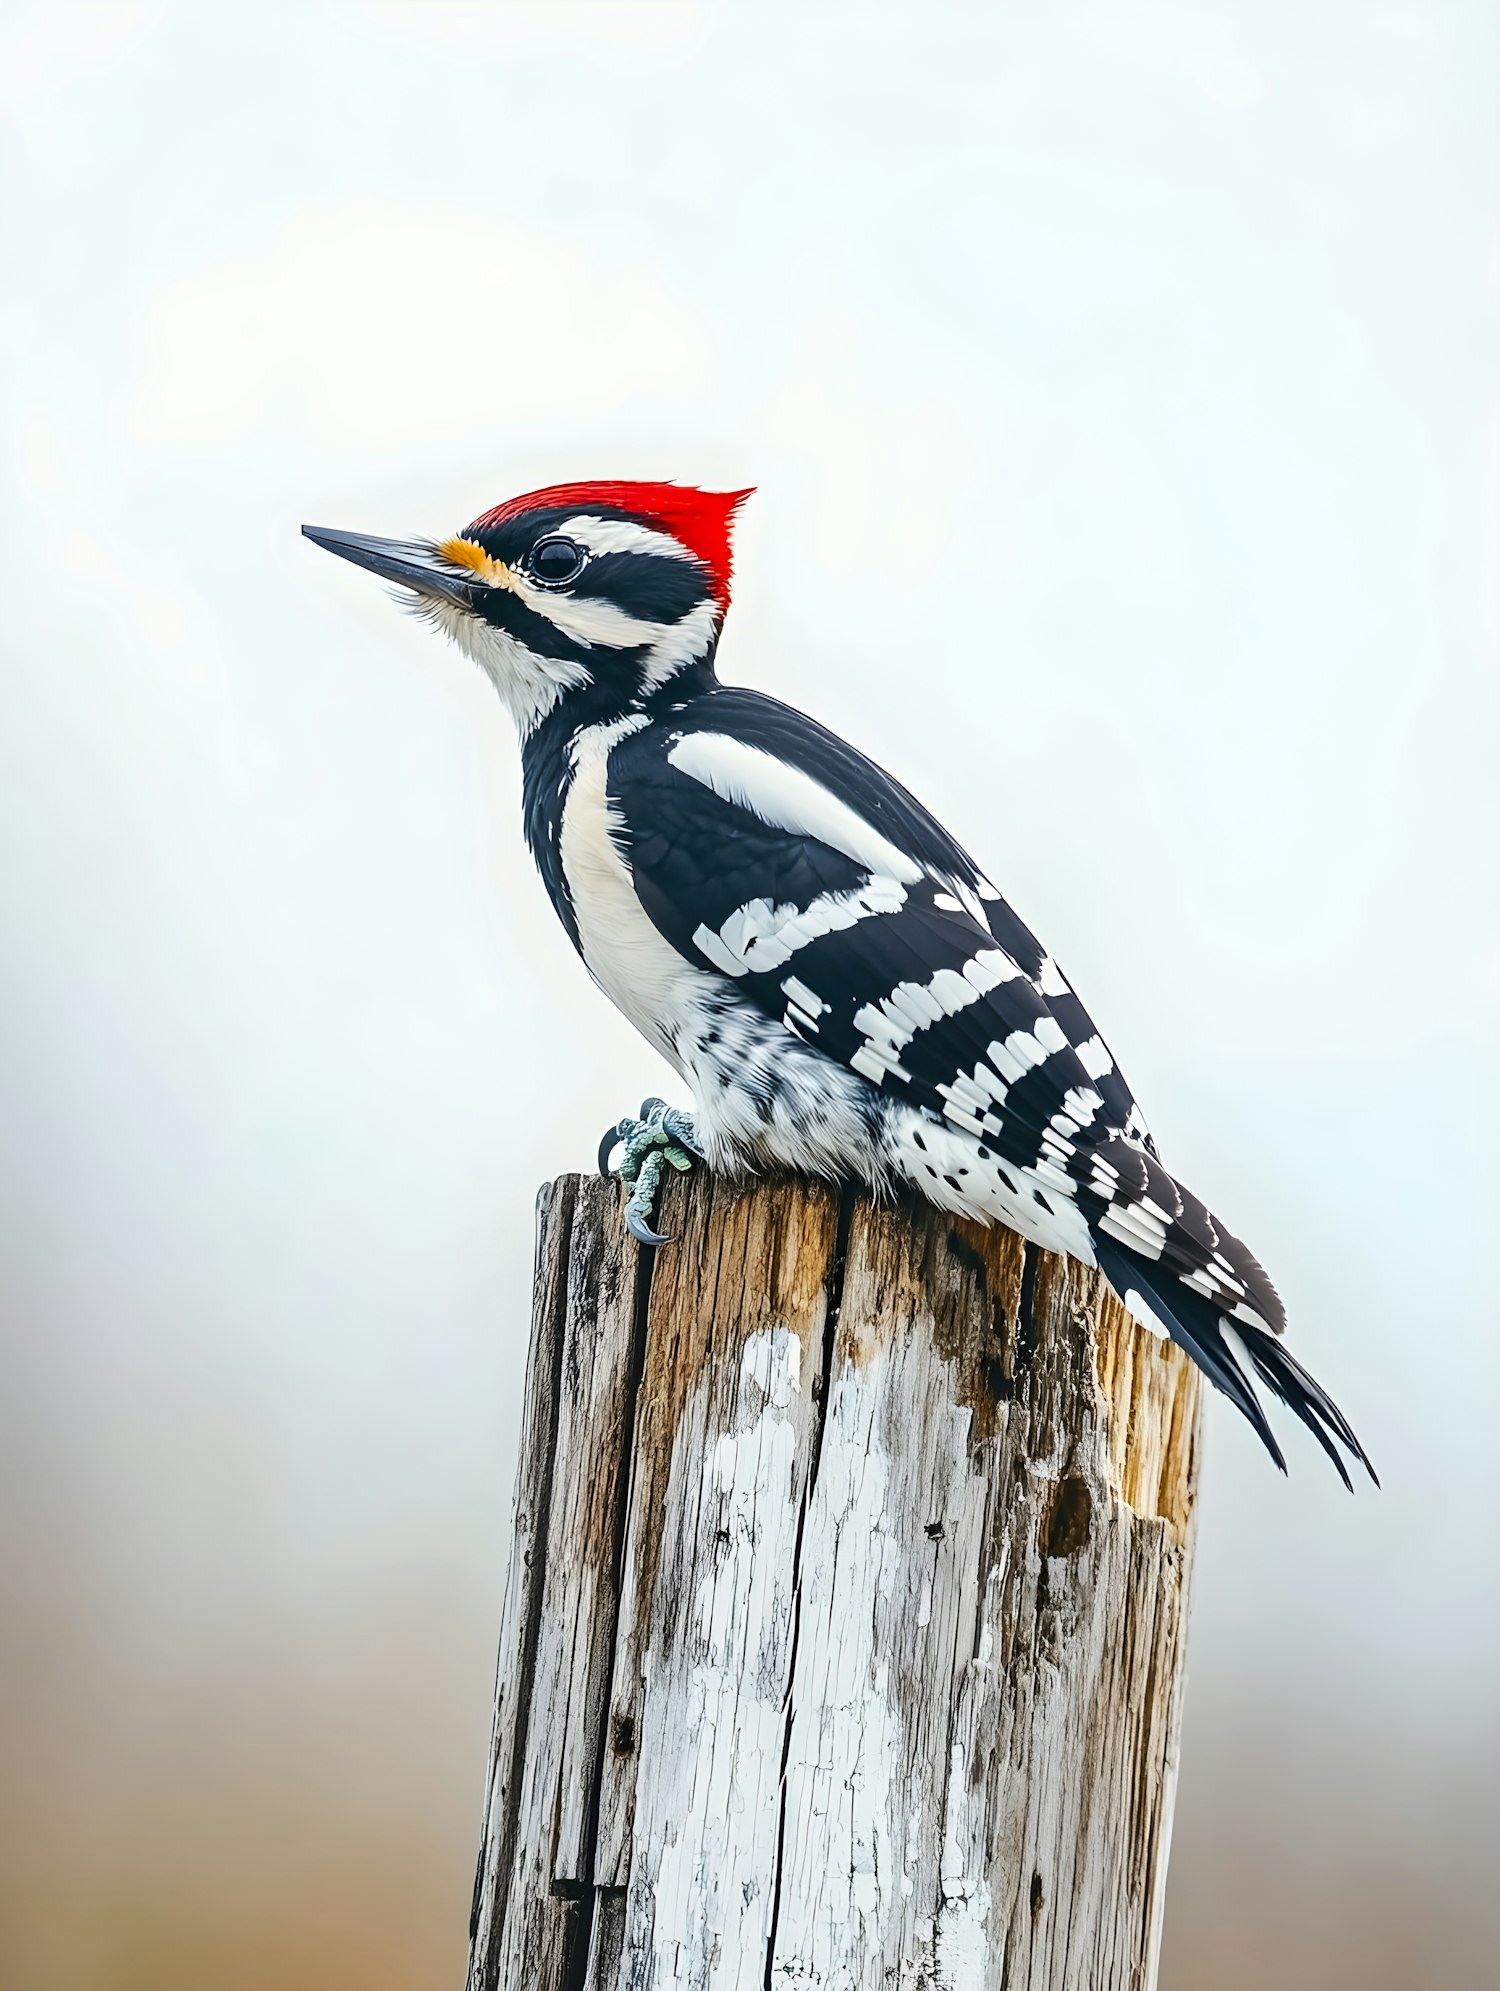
(843, 1639)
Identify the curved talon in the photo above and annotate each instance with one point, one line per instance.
(640, 1230)
(662, 1138)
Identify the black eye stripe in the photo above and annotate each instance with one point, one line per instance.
(555, 560)
(651, 586)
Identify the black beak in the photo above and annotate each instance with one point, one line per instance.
(408, 562)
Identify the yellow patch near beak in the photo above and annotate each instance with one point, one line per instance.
(468, 553)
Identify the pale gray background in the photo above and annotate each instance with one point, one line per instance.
(1123, 388)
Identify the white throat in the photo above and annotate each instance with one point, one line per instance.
(530, 685)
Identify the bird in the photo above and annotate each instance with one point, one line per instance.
(840, 987)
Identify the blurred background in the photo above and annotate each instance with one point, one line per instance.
(1123, 389)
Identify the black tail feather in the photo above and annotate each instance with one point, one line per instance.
(1305, 1397)
(1198, 1325)
(1195, 1324)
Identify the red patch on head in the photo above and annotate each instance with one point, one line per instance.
(702, 521)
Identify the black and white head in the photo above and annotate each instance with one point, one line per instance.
(591, 596)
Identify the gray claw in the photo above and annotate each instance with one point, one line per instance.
(612, 1139)
(640, 1230)
(663, 1137)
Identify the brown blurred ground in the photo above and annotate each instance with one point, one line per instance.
(303, 1813)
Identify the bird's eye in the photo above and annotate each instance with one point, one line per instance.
(555, 561)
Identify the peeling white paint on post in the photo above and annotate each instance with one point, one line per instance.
(706, 1825)
(882, 1690)
(846, 1874)
(690, 1818)
(964, 1959)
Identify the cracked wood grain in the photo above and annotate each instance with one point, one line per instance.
(843, 1640)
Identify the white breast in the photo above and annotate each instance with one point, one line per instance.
(641, 973)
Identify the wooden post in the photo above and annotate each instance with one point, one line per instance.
(843, 1639)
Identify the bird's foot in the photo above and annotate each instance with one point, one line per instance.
(663, 1137)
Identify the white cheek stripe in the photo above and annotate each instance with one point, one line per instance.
(787, 799)
(589, 619)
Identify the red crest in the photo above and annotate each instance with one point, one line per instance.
(702, 521)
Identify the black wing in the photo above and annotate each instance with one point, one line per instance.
(704, 856)
(889, 950)
(765, 847)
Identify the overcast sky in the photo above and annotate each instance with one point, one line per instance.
(1122, 386)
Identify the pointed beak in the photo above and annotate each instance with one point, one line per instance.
(411, 563)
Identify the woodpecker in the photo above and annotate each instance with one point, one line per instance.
(842, 990)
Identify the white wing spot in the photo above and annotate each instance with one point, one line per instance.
(803, 996)
(787, 799)
(1081, 1103)
(1139, 1238)
(911, 1007)
(1094, 1058)
(759, 936)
